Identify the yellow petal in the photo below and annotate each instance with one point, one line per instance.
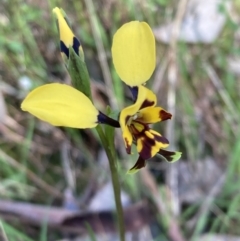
(133, 52)
(128, 139)
(61, 105)
(150, 97)
(151, 115)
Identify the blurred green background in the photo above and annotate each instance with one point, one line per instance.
(34, 166)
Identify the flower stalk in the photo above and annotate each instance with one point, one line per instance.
(111, 154)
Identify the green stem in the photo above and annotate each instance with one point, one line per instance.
(115, 182)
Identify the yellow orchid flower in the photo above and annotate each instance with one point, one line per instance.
(133, 53)
(134, 58)
(134, 122)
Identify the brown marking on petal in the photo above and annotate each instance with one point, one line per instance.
(139, 164)
(161, 139)
(146, 151)
(126, 119)
(164, 115)
(135, 131)
(149, 143)
(139, 135)
(146, 103)
(128, 147)
(167, 154)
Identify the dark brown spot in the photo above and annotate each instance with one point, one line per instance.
(164, 115)
(128, 146)
(139, 164)
(135, 132)
(161, 139)
(167, 154)
(147, 145)
(64, 49)
(146, 103)
(127, 119)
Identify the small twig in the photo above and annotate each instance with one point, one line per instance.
(2, 233)
(35, 214)
(158, 78)
(173, 78)
(208, 202)
(172, 171)
(225, 97)
(136, 217)
(151, 185)
(68, 171)
(31, 175)
(12, 136)
(70, 201)
(173, 228)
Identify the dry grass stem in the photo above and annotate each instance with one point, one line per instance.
(31, 175)
(173, 79)
(3, 235)
(101, 54)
